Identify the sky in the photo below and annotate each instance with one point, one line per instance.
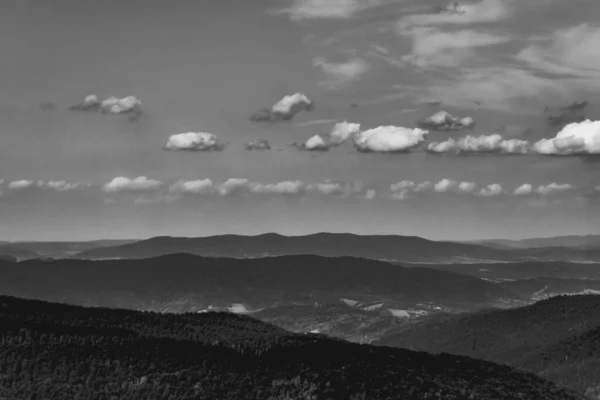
(451, 121)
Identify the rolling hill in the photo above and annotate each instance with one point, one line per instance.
(183, 282)
(380, 247)
(66, 249)
(17, 252)
(390, 247)
(53, 351)
(572, 241)
(522, 337)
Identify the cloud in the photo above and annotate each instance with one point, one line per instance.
(581, 138)
(259, 144)
(111, 105)
(389, 139)
(284, 187)
(232, 185)
(446, 185)
(327, 9)
(444, 121)
(340, 74)
(402, 189)
(314, 143)
(460, 13)
(553, 188)
(339, 134)
(194, 141)
(124, 184)
(432, 47)
(192, 187)
(561, 116)
(341, 189)
(523, 190)
(571, 51)
(370, 194)
(491, 190)
(22, 184)
(483, 144)
(315, 122)
(61, 186)
(285, 109)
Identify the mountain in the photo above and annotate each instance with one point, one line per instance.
(66, 249)
(54, 351)
(380, 247)
(572, 241)
(17, 252)
(520, 337)
(406, 248)
(541, 288)
(500, 272)
(183, 282)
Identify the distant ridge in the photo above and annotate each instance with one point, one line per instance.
(572, 241)
(380, 247)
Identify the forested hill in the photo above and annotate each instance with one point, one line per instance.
(54, 351)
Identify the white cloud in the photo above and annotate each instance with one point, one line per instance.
(192, 187)
(285, 109)
(370, 194)
(327, 9)
(111, 105)
(432, 47)
(22, 184)
(61, 186)
(338, 135)
(480, 144)
(389, 139)
(342, 189)
(194, 141)
(571, 51)
(491, 190)
(553, 188)
(284, 187)
(114, 105)
(446, 185)
(340, 74)
(523, 190)
(578, 138)
(124, 184)
(444, 121)
(402, 189)
(232, 185)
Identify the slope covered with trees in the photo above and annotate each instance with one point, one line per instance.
(554, 338)
(54, 351)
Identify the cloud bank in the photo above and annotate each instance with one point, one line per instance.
(444, 121)
(581, 138)
(483, 144)
(339, 134)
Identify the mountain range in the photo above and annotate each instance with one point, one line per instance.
(382, 247)
(54, 351)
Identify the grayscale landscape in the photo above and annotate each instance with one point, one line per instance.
(300, 200)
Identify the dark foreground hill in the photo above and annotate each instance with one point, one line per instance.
(183, 282)
(555, 338)
(52, 351)
(381, 247)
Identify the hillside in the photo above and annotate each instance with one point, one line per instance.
(576, 241)
(520, 337)
(17, 252)
(66, 249)
(541, 288)
(404, 248)
(183, 282)
(52, 351)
